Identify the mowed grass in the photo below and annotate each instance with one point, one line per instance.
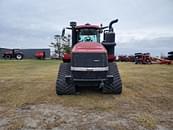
(27, 81)
(33, 81)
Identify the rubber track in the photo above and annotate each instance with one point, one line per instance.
(62, 88)
(116, 86)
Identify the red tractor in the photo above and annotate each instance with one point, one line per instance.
(13, 53)
(91, 62)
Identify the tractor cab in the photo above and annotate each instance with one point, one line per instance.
(88, 35)
(84, 33)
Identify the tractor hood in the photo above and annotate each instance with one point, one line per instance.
(89, 47)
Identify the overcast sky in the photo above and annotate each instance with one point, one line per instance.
(144, 25)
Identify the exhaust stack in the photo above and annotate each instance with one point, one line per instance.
(110, 25)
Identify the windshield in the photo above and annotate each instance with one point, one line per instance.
(88, 35)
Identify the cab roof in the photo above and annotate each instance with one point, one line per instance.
(87, 26)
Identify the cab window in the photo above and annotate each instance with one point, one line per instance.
(88, 35)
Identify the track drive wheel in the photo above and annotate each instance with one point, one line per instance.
(63, 88)
(116, 86)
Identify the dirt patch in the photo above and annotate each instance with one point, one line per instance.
(58, 117)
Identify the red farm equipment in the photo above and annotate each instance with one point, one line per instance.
(142, 58)
(125, 58)
(13, 53)
(145, 58)
(131, 58)
(40, 55)
(90, 62)
(156, 60)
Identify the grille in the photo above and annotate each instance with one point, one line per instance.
(89, 60)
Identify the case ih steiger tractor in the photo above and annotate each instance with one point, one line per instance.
(91, 62)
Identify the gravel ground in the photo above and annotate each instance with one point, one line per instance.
(58, 117)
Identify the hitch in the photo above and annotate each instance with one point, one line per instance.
(102, 84)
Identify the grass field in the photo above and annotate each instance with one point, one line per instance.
(146, 101)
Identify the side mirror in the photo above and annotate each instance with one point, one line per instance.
(63, 32)
(73, 24)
